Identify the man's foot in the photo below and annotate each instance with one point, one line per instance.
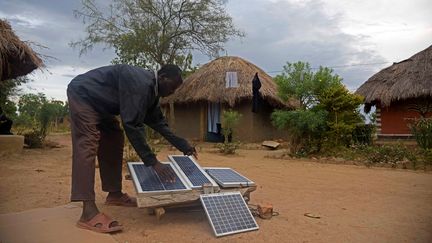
(120, 199)
(90, 210)
(92, 219)
(100, 223)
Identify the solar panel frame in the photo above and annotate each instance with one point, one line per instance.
(229, 184)
(137, 183)
(172, 159)
(242, 204)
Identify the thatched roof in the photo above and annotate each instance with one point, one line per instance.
(410, 78)
(16, 57)
(208, 84)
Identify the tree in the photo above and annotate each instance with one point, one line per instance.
(31, 104)
(155, 32)
(9, 89)
(296, 81)
(59, 110)
(38, 114)
(327, 113)
(343, 115)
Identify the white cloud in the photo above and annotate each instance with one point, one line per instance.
(53, 82)
(26, 20)
(397, 29)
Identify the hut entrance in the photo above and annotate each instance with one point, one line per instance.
(214, 127)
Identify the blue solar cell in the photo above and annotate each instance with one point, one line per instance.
(191, 170)
(150, 180)
(228, 213)
(224, 176)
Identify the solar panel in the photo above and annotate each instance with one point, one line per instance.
(146, 179)
(192, 170)
(227, 177)
(228, 213)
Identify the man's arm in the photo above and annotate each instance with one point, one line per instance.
(135, 97)
(135, 131)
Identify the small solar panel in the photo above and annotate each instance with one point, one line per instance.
(192, 170)
(227, 177)
(228, 213)
(146, 179)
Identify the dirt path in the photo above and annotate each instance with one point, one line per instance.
(356, 204)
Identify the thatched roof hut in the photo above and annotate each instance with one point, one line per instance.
(16, 57)
(208, 84)
(196, 108)
(401, 94)
(410, 78)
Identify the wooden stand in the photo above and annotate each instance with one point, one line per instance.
(156, 204)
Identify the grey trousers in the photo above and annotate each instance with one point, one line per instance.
(94, 135)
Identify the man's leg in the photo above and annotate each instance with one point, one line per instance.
(110, 155)
(85, 142)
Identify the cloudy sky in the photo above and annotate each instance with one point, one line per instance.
(355, 38)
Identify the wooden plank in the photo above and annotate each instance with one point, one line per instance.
(271, 144)
(183, 198)
(159, 212)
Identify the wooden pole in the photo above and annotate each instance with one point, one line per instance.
(203, 121)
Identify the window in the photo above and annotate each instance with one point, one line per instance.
(231, 80)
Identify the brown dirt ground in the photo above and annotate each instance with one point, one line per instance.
(356, 204)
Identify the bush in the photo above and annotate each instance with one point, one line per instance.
(34, 139)
(362, 134)
(427, 155)
(228, 148)
(422, 131)
(389, 154)
(230, 120)
(306, 128)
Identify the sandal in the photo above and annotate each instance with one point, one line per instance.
(124, 200)
(100, 223)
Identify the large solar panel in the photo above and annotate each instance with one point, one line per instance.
(227, 177)
(192, 170)
(228, 213)
(146, 179)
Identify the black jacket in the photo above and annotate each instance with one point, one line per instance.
(130, 92)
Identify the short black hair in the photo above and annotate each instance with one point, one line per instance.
(171, 71)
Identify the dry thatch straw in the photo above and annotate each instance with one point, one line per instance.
(208, 84)
(410, 78)
(16, 57)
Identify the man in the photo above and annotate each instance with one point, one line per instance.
(95, 98)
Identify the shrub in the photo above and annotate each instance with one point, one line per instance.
(389, 154)
(230, 120)
(427, 155)
(305, 127)
(34, 139)
(422, 131)
(362, 134)
(327, 111)
(228, 148)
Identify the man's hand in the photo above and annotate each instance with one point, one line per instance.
(191, 152)
(164, 172)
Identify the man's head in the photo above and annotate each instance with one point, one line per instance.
(169, 79)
